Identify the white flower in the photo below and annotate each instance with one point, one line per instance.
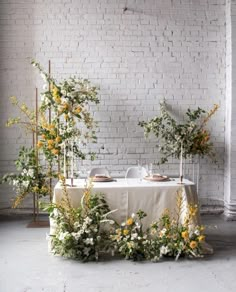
(163, 232)
(87, 220)
(197, 232)
(14, 182)
(63, 99)
(76, 235)
(30, 172)
(63, 235)
(133, 215)
(24, 171)
(76, 224)
(25, 183)
(55, 213)
(133, 236)
(89, 240)
(164, 250)
(45, 86)
(43, 76)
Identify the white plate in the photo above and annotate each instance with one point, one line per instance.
(157, 178)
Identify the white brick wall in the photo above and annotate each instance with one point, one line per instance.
(230, 145)
(157, 49)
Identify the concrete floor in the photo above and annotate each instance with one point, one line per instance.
(25, 265)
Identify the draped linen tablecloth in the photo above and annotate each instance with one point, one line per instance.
(130, 195)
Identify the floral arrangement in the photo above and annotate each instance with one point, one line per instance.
(165, 237)
(71, 120)
(31, 177)
(60, 126)
(129, 240)
(191, 136)
(80, 232)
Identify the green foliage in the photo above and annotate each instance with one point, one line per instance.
(31, 177)
(170, 134)
(167, 236)
(78, 233)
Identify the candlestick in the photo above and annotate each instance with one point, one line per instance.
(181, 165)
(72, 158)
(65, 160)
(181, 161)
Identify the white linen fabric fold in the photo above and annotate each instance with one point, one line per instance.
(130, 195)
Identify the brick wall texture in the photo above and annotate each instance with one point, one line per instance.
(153, 50)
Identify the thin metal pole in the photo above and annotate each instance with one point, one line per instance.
(198, 171)
(50, 119)
(193, 169)
(36, 148)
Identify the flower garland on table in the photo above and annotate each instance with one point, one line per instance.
(171, 134)
(79, 233)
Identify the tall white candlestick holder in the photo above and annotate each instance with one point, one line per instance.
(181, 165)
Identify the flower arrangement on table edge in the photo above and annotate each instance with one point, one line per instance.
(192, 134)
(70, 127)
(80, 233)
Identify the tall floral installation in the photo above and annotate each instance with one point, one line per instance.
(187, 139)
(61, 127)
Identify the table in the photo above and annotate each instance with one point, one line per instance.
(130, 195)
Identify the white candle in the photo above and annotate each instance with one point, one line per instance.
(72, 159)
(64, 159)
(181, 161)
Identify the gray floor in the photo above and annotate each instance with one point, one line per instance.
(25, 265)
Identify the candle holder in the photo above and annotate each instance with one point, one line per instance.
(181, 180)
(72, 182)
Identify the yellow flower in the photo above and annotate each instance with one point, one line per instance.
(53, 132)
(184, 234)
(201, 238)
(55, 91)
(130, 221)
(55, 151)
(44, 189)
(40, 144)
(57, 99)
(118, 231)
(130, 244)
(43, 136)
(58, 139)
(78, 110)
(35, 189)
(193, 244)
(50, 147)
(50, 142)
(44, 125)
(125, 231)
(202, 228)
(65, 106)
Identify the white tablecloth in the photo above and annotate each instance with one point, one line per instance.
(128, 196)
